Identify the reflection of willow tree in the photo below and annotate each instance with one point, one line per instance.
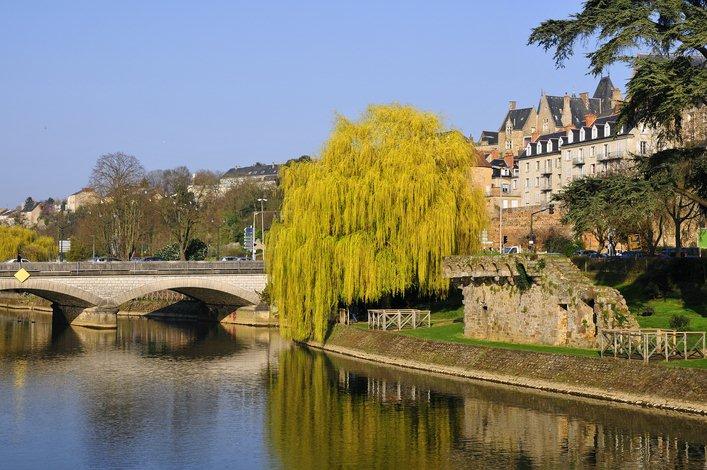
(312, 423)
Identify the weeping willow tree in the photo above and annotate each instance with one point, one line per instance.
(389, 198)
(28, 243)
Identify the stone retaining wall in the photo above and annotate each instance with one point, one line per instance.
(607, 379)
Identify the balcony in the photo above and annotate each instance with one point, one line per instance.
(546, 172)
(546, 189)
(577, 161)
(605, 157)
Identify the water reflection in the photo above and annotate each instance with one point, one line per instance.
(197, 395)
(383, 417)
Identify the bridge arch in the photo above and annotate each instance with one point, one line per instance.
(57, 292)
(209, 291)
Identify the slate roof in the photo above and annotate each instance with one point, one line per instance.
(259, 169)
(518, 118)
(490, 137)
(603, 92)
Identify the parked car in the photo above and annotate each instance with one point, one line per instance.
(152, 258)
(633, 254)
(511, 250)
(235, 258)
(15, 260)
(103, 259)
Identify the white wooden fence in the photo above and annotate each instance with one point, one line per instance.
(647, 344)
(387, 319)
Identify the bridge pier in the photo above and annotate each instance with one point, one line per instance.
(100, 317)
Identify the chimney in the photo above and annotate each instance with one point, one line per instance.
(509, 158)
(534, 136)
(589, 119)
(584, 96)
(566, 111)
(616, 99)
(511, 105)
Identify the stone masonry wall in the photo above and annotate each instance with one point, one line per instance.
(533, 299)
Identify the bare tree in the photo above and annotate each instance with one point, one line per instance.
(119, 180)
(179, 205)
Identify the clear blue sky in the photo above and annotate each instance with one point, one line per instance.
(214, 84)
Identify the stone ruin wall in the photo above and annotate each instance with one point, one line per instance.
(560, 307)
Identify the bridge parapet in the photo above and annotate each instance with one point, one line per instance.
(88, 268)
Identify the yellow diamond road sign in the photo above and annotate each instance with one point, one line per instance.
(22, 275)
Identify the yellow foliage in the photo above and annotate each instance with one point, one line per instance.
(29, 243)
(389, 198)
(311, 423)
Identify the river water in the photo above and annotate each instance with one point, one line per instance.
(196, 395)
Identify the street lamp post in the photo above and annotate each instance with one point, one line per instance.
(262, 200)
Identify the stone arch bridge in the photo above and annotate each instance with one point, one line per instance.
(89, 294)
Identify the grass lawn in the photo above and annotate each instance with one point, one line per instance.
(454, 332)
(448, 325)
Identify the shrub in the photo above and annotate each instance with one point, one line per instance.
(556, 243)
(679, 322)
(647, 312)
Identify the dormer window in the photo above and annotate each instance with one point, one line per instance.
(607, 130)
(529, 149)
(581, 134)
(549, 145)
(560, 141)
(539, 147)
(595, 132)
(621, 131)
(570, 137)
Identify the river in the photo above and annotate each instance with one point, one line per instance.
(197, 395)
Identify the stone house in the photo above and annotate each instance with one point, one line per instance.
(517, 125)
(85, 197)
(261, 174)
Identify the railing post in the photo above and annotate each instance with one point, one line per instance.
(684, 344)
(613, 333)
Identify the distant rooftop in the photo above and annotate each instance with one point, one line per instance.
(259, 170)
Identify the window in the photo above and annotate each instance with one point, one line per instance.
(568, 155)
(527, 183)
(546, 125)
(606, 150)
(514, 203)
(515, 184)
(592, 168)
(549, 145)
(509, 144)
(643, 147)
(581, 155)
(581, 134)
(559, 162)
(484, 236)
(529, 150)
(591, 151)
(537, 165)
(509, 128)
(537, 181)
(504, 203)
(539, 148)
(527, 167)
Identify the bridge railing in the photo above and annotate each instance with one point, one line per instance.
(88, 268)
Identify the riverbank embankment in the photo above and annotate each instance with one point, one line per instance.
(617, 380)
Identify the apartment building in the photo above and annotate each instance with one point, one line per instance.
(599, 146)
